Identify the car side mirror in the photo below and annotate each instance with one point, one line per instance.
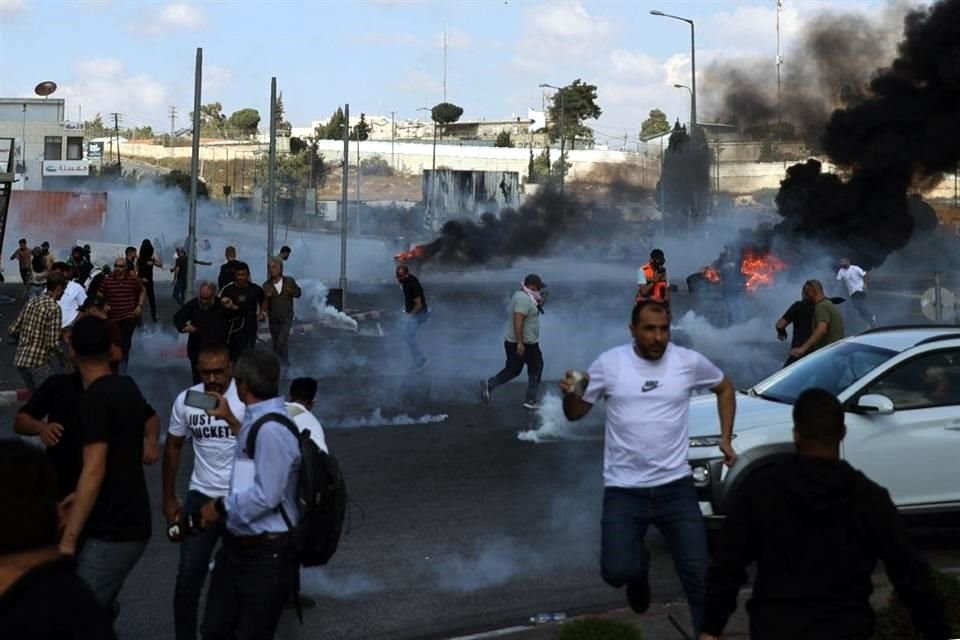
(875, 403)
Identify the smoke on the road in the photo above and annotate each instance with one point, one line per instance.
(377, 419)
(321, 581)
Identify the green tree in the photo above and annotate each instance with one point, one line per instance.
(94, 128)
(281, 123)
(181, 180)
(362, 130)
(212, 119)
(540, 166)
(333, 130)
(656, 123)
(244, 121)
(503, 140)
(143, 133)
(445, 113)
(579, 104)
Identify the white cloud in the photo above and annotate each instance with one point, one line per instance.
(104, 85)
(640, 66)
(216, 77)
(559, 31)
(177, 16)
(10, 8)
(458, 39)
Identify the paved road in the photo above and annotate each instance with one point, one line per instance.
(458, 525)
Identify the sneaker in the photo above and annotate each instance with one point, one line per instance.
(531, 405)
(638, 596)
(485, 391)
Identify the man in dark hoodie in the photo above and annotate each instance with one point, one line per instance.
(816, 527)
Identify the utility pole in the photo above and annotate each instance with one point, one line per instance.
(272, 170)
(393, 137)
(194, 177)
(116, 129)
(779, 90)
(358, 181)
(173, 123)
(343, 205)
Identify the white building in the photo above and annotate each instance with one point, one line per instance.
(45, 142)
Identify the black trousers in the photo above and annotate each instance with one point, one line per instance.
(252, 579)
(151, 297)
(533, 360)
(241, 341)
(127, 328)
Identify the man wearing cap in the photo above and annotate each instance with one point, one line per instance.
(652, 279)
(521, 341)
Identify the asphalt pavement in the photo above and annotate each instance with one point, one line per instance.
(457, 524)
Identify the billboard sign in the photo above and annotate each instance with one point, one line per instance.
(66, 168)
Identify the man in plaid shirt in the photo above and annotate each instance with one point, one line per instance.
(37, 331)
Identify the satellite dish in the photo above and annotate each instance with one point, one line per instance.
(45, 88)
(949, 309)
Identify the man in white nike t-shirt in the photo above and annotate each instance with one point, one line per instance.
(214, 446)
(647, 387)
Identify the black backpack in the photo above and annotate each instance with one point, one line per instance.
(321, 496)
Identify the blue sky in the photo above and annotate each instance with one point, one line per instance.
(136, 58)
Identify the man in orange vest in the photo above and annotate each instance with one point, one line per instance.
(652, 279)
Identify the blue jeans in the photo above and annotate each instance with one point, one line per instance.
(252, 579)
(674, 510)
(195, 554)
(412, 323)
(104, 566)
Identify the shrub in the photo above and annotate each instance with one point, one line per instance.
(375, 166)
(894, 621)
(598, 629)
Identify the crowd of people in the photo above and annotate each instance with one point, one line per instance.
(74, 340)
(814, 526)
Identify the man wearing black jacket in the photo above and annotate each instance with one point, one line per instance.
(207, 322)
(816, 527)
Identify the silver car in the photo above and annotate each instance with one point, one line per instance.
(900, 388)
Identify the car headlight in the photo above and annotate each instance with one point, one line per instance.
(701, 476)
(707, 441)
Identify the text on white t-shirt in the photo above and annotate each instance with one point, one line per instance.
(214, 443)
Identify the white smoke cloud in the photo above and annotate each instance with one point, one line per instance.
(552, 425)
(377, 419)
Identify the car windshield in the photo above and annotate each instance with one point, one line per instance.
(834, 369)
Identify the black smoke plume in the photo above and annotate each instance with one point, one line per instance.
(829, 68)
(904, 133)
(530, 231)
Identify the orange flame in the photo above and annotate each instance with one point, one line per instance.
(711, 274)
(760, 269)
(417, 253)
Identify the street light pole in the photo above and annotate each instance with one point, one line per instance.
(693, 67)
(194, 176)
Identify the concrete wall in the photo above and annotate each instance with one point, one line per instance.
(414, 158)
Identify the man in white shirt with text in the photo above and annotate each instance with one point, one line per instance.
(214, 449)
(647, 387)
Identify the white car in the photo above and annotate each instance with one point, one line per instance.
(900, 388)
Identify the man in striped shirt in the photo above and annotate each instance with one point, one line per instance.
(124, 294)
(37, 331)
